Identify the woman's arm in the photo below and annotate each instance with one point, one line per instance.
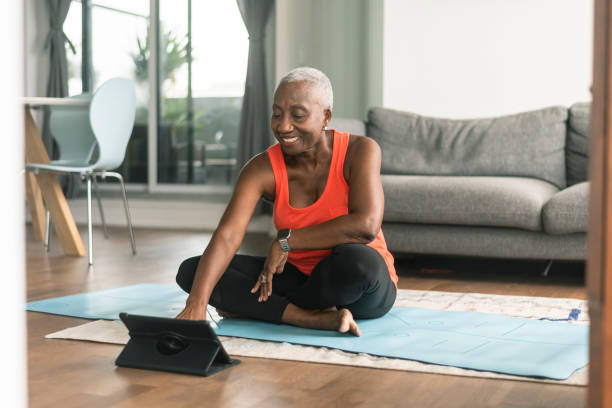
(254, 180)
(365, 204)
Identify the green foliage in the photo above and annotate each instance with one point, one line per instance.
(175, 111)
(211, 115)
(174, 57)
(141, 60)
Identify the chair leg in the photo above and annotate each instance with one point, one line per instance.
(89, 224)
(125, 205)
(48, 230)
(547, 268)
(95, 185)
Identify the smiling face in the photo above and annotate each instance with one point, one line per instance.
(298, 116)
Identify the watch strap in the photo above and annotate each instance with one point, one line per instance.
(283, 239)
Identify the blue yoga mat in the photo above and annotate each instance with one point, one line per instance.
(150, 299)
(474, 340)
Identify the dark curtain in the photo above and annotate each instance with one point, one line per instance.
(57, 84)
(254, 133)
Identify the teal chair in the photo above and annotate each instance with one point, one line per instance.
(106, 125)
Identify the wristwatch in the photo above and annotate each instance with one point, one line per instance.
(282, 237)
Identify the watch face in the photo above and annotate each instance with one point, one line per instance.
(283, 234)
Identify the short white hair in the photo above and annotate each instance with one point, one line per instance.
(314, 77)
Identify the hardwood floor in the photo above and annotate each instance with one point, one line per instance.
(65, 373)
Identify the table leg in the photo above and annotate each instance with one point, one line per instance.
(63, 222)
(35, 204)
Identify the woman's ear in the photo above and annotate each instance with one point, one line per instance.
(328, 116)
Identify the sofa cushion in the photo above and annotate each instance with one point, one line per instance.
(577, 146)
(484, 201)
(530, 144)
(482, 242)
(567, 211)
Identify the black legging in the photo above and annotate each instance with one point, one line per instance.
(353, 276)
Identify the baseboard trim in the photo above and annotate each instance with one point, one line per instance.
(164, 214)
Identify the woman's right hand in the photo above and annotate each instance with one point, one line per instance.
(193, 311)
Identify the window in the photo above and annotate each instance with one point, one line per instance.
(73, 30)
(203, 60)
(199, 83)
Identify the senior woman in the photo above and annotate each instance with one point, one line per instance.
(329, 264)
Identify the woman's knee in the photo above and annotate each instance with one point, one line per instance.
(357, 262)
(371, 313)
(186, 273)
(375, 304)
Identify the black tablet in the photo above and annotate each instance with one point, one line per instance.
(184, 346)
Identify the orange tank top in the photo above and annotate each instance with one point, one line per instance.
(333, 203)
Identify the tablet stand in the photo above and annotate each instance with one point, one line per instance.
(176, 345)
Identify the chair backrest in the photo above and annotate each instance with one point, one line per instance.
(111, 114)
(70, 128)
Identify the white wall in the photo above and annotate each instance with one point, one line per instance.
(36, 57)
(333, 36)
(475, 58)
(12, 290)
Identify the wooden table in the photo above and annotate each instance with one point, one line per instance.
(44, 186)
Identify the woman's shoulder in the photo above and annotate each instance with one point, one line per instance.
(258, 164)
(361, 146)
(360, 150)
(259, 170)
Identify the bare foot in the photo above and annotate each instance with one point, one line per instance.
(347, 323)
(328, 319)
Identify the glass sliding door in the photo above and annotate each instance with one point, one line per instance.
(203, 54)
(201, 50)
(73, 29)
(120, 49)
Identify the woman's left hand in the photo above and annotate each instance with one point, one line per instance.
(275, 263)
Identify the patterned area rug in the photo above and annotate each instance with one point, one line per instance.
(571, 311)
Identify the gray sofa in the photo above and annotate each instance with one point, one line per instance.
(506, 187)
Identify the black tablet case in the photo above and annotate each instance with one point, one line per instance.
(177, 345)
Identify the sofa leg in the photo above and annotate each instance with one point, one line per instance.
(547, 268)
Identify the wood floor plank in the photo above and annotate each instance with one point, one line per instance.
(82, 374)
